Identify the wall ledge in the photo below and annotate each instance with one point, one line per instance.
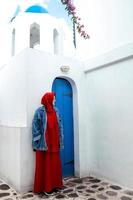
(117, 55)
(17, 126)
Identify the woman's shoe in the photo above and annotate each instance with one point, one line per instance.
(56, 190)
(49, 193)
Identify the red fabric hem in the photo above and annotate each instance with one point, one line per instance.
(48, 174)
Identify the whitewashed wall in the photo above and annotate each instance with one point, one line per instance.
(42, 70)
(103, 110)
(109, 88)
(12, 118)
(109, 24)
(12, 89)
(30, 75)
(10, 155)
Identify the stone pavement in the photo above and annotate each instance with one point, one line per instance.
(89, 188)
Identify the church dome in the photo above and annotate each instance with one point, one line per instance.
(31, 9)
(36, 9)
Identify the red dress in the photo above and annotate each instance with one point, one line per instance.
(48, 173)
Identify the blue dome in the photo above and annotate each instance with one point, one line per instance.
(36, 9)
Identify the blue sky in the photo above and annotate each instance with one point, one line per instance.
(55, 8)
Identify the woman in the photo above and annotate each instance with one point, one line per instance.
(47, 141)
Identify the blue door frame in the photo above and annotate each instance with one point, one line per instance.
(64, 103)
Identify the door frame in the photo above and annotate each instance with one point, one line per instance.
(75, 124)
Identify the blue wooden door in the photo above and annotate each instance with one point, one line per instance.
(64, 103)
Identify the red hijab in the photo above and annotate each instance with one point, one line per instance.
(52, 130)
(47, 101)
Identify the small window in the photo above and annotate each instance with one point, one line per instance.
(56, 41)
(34, 35)
(13, 42)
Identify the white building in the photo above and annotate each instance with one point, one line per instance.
(36, 28)
(102, 90)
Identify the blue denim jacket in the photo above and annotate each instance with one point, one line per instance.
(39, 129)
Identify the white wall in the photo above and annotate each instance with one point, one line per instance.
(103, 109)
(13, 116)
(30, 75)
(4, 42)
(27, 160)
(45, 70)
(42, 71)
(12, 93)
(10, 155)
(109, 24)
(109, 88)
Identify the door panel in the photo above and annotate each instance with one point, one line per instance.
(64, 103)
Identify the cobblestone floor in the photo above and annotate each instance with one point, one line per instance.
(89, 188)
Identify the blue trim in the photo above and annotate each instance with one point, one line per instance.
(36, 9)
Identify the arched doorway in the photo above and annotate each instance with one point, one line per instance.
(64, 103)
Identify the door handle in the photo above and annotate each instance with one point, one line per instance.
(70, 162)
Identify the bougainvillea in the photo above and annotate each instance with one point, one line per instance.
(71, 9)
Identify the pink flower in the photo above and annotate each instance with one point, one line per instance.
(82, 33)
(71, 7)
(64, 1)
(82, 26)
(71, 11)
